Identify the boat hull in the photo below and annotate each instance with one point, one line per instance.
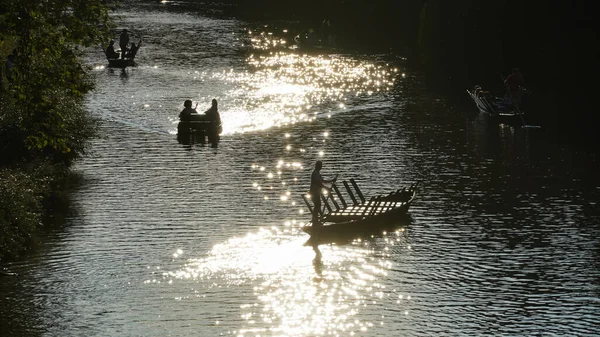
(197, 130)
(121, 63)
(382, 214)
(342, 233)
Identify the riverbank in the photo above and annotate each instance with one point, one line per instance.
(44, 126)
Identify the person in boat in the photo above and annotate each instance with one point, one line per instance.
(186, 113)
(215, 128)
(123, 42)
(133, 50)
(317, 183)
(514, 82)
(110, 51)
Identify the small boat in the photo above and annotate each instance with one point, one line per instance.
(496, 107)
(128, 60)
(362, 216)
(500, 109)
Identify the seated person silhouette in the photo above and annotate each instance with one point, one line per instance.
(110, 51)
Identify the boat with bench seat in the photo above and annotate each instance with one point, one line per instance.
(360, 215)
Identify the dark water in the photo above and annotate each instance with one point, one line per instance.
(187, 240)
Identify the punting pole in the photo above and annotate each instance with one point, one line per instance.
(354, 201)
(337, 191)
(307, 203)
(360, 195)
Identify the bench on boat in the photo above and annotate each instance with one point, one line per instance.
(197, 123)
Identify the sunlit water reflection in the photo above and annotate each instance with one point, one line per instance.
(258, 91)
(186, 240)
(294, 296)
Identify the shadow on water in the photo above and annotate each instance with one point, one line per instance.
(22, 311)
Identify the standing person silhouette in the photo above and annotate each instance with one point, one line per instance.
(317, 183)
(123, 42)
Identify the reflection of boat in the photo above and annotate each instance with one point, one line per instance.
(496, 107)
(361, 216)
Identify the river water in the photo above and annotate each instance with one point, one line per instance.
(169, 239)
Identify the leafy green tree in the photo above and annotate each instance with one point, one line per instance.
(43, 104)
(43, 122)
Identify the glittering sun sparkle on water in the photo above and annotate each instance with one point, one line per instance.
(285, 88)
(292, 295)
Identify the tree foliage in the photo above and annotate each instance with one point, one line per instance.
(44, 111)
(43, 122)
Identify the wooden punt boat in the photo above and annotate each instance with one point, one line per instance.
(497, 108)
(501, 111)
(128, 60)
(362, 216)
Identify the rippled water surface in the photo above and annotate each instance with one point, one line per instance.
(167, 239)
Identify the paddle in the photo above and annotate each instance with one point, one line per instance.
(516, 105)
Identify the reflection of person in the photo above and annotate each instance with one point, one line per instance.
(110, 51)
(215, 126)
(187, 111)
(123, 42)
(317, 183)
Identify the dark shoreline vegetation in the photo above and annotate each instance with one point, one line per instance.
(44, 126)
(457, 44)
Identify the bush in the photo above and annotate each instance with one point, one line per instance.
(20, 210)
(43, 124)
